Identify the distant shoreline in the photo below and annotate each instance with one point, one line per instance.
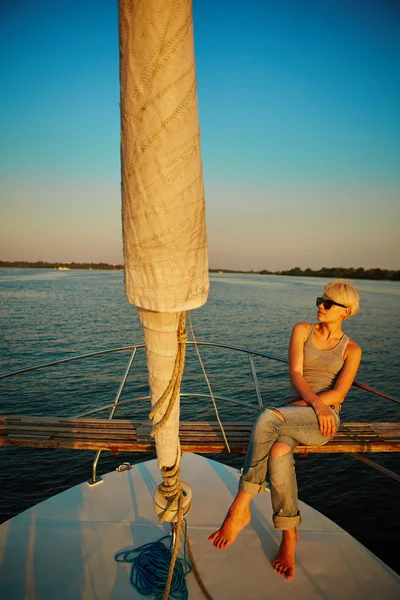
(330, 272)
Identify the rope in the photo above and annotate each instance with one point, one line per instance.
(208, 383)
(171, 479)
(178, 527)
(172, 391)
(196, 571)
(171, 490)
(151, 569)
(151, 572)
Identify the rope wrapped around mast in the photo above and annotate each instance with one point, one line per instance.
(171, 489)
(171, 393)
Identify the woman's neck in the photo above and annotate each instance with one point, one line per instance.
(331, 330)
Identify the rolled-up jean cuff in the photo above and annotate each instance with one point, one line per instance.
(286, 522)
(251, 488)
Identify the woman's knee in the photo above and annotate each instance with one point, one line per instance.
(279, 449)
(267, 421)
(278, 414)
(270, 415)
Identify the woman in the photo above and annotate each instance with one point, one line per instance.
(323, 363)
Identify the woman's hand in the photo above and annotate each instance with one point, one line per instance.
(326, 419)
(327, 422)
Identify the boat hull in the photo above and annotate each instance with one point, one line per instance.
(64, 547)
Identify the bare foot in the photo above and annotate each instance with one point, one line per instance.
(237, 518)
(284, 560)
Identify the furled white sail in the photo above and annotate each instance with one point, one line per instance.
(163, 206)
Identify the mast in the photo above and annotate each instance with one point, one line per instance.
(163, 205)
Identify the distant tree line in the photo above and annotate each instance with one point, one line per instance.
(23, 264)
(331, 272)
(340, 273)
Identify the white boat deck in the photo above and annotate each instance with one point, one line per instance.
(64, 547)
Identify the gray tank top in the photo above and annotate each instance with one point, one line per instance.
(321, 368)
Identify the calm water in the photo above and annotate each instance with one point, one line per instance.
(47, 315)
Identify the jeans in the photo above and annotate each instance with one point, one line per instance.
(297, 424)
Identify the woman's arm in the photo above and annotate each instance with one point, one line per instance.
(346, 377)
(326, 419)
(296, 363)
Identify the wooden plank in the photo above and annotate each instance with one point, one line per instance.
(144, 428)
(113, 423)
(62, 430)
(208, 447)
(205, 437)
(184, 425)
(343, 431)
(378, 445)
(144, 433)
(193, 428)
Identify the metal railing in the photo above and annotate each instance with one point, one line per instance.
(133, 351)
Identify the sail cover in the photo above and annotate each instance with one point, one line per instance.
(163, 206)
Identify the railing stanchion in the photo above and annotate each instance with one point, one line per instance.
(122, 384)
(255, 379)
(96, 479)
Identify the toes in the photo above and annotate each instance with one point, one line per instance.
(219, 542)
(283, 569)
(288, 573)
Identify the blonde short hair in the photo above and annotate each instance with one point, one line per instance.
(344, 293)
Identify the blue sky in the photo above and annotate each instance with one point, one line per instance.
(300, 131)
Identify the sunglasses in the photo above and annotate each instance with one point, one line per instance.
(327, 303)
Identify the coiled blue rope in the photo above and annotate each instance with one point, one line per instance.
(150, 568)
